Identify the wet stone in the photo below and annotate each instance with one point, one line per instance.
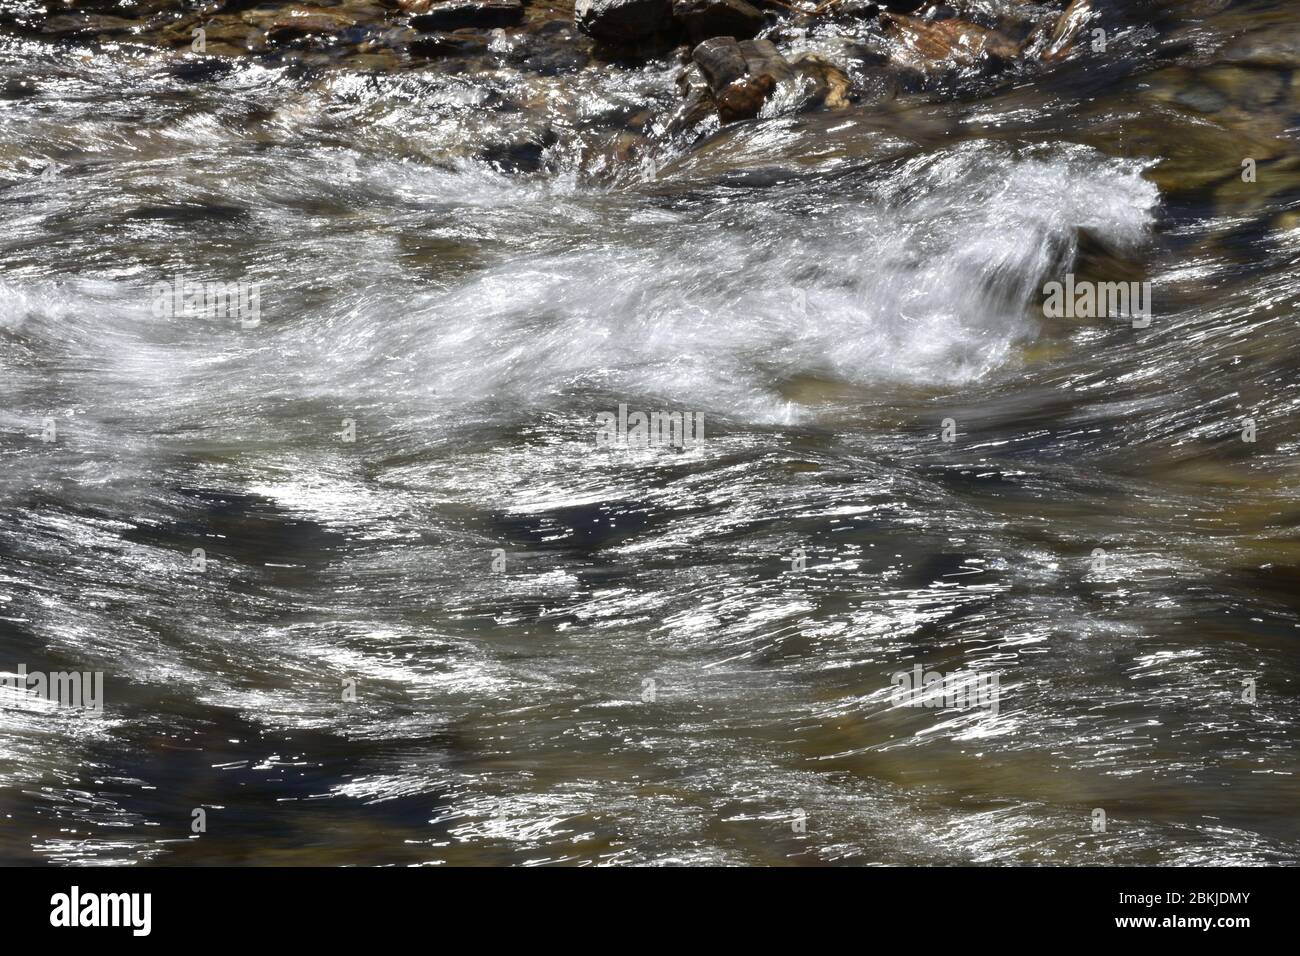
(744, 98)
(702, 19)
(721, 61)
(624, 21)
(18, 89)
(826, 85)
(1201, 98)
(763, 59)
(938, 45)
(1068, 29)
(1248, 87)
(201, 69)
(455, 14)
(849, 11)
(522, 155)
(554, 50)
(87, 25)
(437, 45)
(1278, 47)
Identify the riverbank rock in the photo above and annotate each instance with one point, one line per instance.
(624, 22)
(764, 69)
(697, 106)
(702, 19)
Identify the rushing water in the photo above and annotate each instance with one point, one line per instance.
(825, 289)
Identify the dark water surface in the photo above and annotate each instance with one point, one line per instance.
(825, 289)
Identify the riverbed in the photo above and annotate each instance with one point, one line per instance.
(365, 589)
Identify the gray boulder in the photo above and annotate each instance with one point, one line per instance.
(721, 62)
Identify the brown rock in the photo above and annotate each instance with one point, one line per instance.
(743, 98)
(827, 85)
(1067, 30)
(923, 45)
(299, 20)
(741, 76)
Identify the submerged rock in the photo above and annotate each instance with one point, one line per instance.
(1215, 89)
(853, 10)
(301, 27)
(200, 69)
(933, 46)
(18, 89)
(1277, 47)
(1191, 154)
(551, 48)
(1251, 89)
(299, 19)
(86, 24)
(524, 154)
(436, 45)
(826, 85)
(1069, 26)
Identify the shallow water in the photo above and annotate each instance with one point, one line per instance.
(825, 289)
